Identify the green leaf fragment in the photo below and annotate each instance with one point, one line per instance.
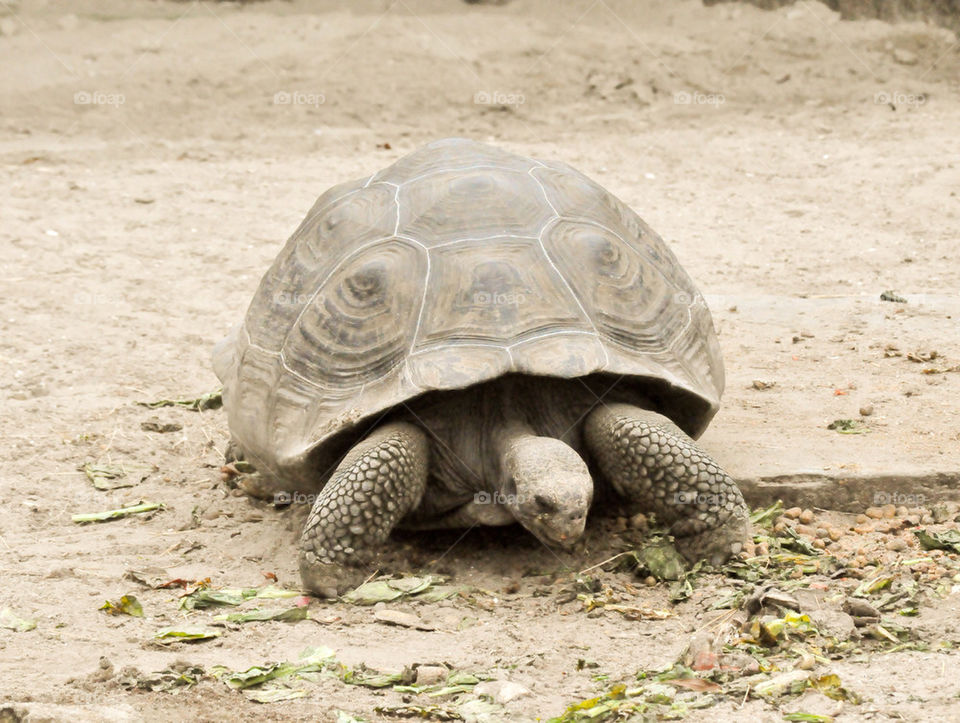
(848, 426)
(370, 593)
(872, 585)
(273, 695)
(187, 634)
(369, 678)
(423, 712)
(210, 400)
(764, 517)
(126, 605)
(947, 540)
(290, 615)
(344, 717)
(12, 621)
(112, 477)
(117, 514)
(205, 597)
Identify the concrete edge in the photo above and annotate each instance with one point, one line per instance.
(851, 493)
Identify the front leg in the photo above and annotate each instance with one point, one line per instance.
(379, 481)
(649, 460)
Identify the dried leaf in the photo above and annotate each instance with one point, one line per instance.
(126, 605)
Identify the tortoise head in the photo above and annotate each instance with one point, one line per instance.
(548, 488)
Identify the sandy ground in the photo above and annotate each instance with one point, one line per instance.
(155, 155)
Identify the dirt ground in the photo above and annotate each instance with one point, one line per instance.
(155, 155)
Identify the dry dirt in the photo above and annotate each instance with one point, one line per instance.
(799, 166)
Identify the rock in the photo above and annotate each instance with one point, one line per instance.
(866, 410)
(835, 534)
(397, 617)
(806, 662)
(739, 663)
(940, 512)
(502, 691)
(823, 532)
(793, 513)
(769, 596)
(806, 517)
(833, 623)
(155, 425)
(889, 512)
(874, 513)
(699, 654)
(638, 521)
(805, 530)
(431, 674)
(904, 57)
(858, 608)
(897, 544)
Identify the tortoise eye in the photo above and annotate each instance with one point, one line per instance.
(545, 504)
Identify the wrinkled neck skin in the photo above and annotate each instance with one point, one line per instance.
(542, 481)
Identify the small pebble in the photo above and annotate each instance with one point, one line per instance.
(806, 517)
(431, 674)
(874, 512)
(780, 527)
(650, 581)
(793, 513)
(819, 544)
(806, 662)
(763, 548)
(902, 511)
(835, 534)
(638, 521)
(862, 518)
(805, 530)
(897, 544)
(866, 410)
(863, 529)
(620, 525)
(823, 532)
(889, 511)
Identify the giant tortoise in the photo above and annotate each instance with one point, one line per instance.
(473, 337)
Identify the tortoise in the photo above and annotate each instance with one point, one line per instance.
(472, 337)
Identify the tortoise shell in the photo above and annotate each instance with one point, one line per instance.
(457, 264)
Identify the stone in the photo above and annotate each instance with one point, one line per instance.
(502, 691)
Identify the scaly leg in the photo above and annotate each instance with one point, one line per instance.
(649, 460)
(379, 481)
